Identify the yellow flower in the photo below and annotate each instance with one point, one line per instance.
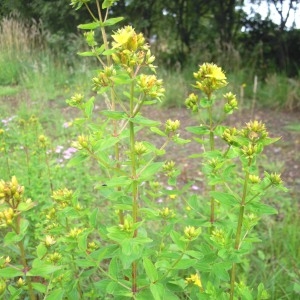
(126, 38)
(209, 78)
(194, 279)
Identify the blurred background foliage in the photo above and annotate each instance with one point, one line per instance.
(184, 31)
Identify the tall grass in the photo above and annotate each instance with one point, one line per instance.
(18, 43)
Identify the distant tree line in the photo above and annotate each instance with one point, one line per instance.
(185, 31)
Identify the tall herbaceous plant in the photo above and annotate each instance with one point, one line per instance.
(139, 235)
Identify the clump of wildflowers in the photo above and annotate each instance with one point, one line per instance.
(63, 197)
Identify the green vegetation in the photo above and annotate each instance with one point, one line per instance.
(91, 208)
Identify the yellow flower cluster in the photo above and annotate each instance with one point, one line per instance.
(131, 49)
(209, 78)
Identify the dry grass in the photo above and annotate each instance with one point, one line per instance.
(20, 38)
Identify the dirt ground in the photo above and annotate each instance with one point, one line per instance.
(282, 157)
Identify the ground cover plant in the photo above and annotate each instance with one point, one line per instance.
(121, 233)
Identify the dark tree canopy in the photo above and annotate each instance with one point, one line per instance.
(183, 30)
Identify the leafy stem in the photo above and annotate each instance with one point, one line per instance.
(239, 227)
(212, 147)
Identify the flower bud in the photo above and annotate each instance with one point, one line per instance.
(172, 126)
(275, 179)
(192, 102)
(139, 148)
(167, 213)
(49, 241)
(191, 232)
(74, 232)
(2, 287)
(54, 257)
(20, 282)
(127, 226)
(254, 178)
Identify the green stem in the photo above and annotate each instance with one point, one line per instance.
(48, 171)
(134, 185)
(7, 162)
(24, 261)
(212, 147)
(104, 36)
(237, 243)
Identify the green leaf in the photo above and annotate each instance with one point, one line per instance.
(143, 121)
(262, 209)
(82, 240)
(202, 129)
(107, 3)
(43, 270)
(10, 272)
(89, 106)
(118, 181)
(23, 206)
(116, 115)
(41, 250)
(108, 52)
(176, 238)
(113, 268)
(56, 294)
(41, 288)
(23, 226)
(195, 254)
(90, 26)
(224, 198)
(150, 269)
(157, 131)
(12, 238)
(149, 171)
(157, 291)
(184, 264)
(221, 271)
(219, 130)
(205, 103)
(112, 21)
(85, 263)
(77, 159)
(180, 141)
(87, 53)
(93, 218)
